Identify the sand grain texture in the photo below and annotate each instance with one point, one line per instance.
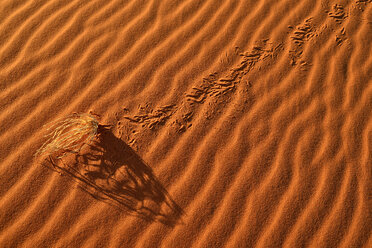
(233, 123)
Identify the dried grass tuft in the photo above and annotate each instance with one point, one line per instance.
(69, 134)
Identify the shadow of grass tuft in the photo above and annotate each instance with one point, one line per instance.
(108, 169)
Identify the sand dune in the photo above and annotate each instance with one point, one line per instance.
(232, 123)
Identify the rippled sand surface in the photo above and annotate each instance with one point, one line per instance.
(232, 123)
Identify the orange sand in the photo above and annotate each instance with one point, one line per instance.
(234, 123)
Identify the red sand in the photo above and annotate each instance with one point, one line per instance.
(234, 123)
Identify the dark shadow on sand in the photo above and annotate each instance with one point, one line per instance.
(111, 171)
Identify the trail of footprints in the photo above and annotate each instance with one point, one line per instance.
(304, 32)
(341, 37)
(338, 13)
(150, 118)
(218, 84)
(301, 34)
(213, 86)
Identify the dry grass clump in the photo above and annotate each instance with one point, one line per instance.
(69, 134)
